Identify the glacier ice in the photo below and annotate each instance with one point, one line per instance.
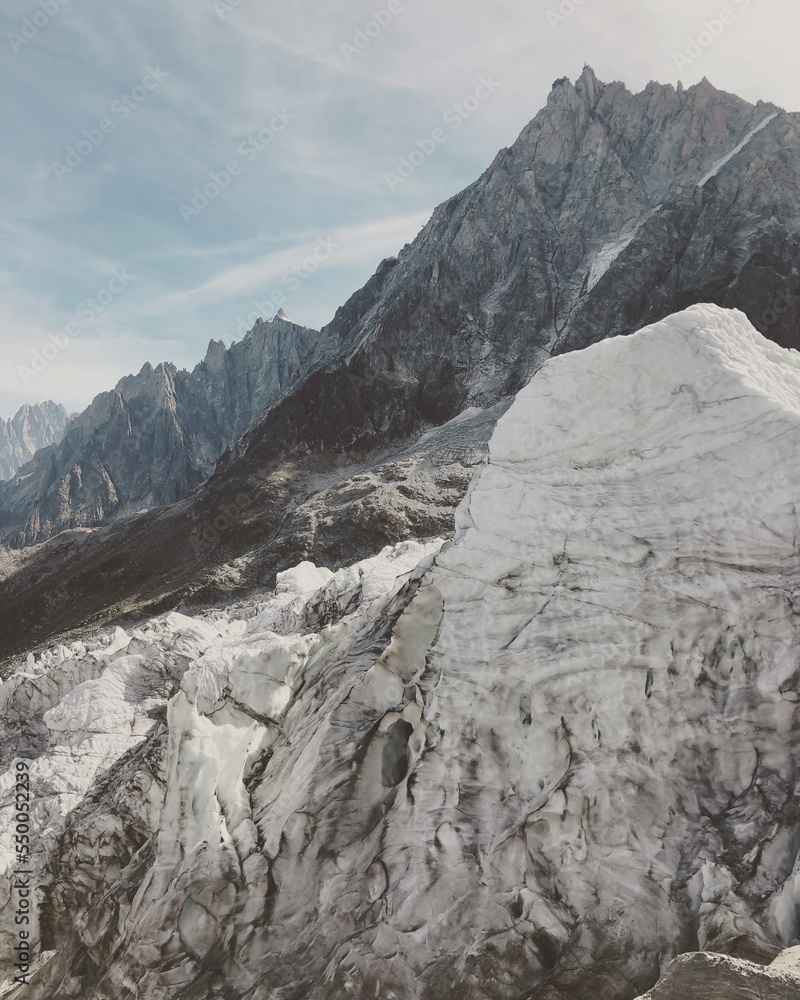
(557, 751)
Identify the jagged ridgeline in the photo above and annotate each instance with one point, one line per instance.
(609, 211)
(153, 438)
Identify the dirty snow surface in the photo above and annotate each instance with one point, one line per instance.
(558, 750)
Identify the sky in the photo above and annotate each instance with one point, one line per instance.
(173, 169)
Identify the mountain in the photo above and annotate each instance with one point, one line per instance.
(31, 428)
(154, 437)
(612, 210)
(600, 218)
(541, 760)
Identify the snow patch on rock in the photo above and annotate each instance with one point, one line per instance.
(715, 169)
(607, 255)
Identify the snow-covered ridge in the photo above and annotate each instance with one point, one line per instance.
(715, 169)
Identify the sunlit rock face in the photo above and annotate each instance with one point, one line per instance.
(31, 428)
(540, 764)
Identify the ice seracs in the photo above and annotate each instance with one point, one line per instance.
(541, 761)
(76, 711)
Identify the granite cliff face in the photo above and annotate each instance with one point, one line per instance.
(31, 428)
(153, 438)
(539, 761)
(610, 211)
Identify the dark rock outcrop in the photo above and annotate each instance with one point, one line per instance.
(701, 976)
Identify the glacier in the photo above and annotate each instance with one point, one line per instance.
(539, 760)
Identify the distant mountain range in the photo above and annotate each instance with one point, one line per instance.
(31, 428)
(154, 437)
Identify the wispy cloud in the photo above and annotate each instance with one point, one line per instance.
(353, 245)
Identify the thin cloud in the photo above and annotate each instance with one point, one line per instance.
(353, 244)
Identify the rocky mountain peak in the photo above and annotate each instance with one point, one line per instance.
(216, 349)
(31, 428)
(588, 86)
(155, 436)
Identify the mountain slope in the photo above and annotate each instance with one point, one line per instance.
(31, 428)
(558, 753)
(593, 224)
(154, 437)
(216, 543)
